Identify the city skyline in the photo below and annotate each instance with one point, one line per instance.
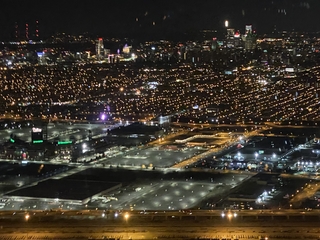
(133, 119)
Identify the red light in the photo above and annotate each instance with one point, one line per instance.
(100, 39)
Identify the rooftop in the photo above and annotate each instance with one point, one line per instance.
(64, 189)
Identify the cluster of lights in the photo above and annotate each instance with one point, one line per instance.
(131, 97)
(116, 214)
(229, 215)
(308, 163)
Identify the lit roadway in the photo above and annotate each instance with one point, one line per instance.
(160, 225)
(287, 213)
(265, 125)
(227, 143)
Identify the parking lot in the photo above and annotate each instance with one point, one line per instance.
(152, 157)
(171, 195)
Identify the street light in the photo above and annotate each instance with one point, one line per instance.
(229, 215)
(27, 216)
(126, 216)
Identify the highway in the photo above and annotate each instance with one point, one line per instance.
(179, 214)
(132, 227)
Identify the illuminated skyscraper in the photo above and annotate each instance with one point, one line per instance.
(99, 48)
(249, 38)
(230, 38)
(250, 41)
(248, 29)
(230, 32)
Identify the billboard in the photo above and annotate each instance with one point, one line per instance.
(37, 135)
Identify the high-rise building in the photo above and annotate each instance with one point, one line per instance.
(248, 29)
(230, 32)
(99, 48)
(250, 41)
(230, 39)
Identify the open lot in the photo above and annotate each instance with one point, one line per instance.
(152, 157)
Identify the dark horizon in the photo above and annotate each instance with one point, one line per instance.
(156, 18)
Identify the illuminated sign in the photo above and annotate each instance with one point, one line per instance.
(37, 141)
(36, 130)
(64, 142)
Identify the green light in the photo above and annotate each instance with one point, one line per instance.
(64, 142)
(12, 140)
(37, 141)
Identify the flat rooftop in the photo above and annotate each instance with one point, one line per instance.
(65, 189)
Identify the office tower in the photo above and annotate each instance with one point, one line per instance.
(230, 32)
(250, 41)
(99, 48)
(248, 29)
(230, 37)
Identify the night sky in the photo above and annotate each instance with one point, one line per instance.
(156, 18)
